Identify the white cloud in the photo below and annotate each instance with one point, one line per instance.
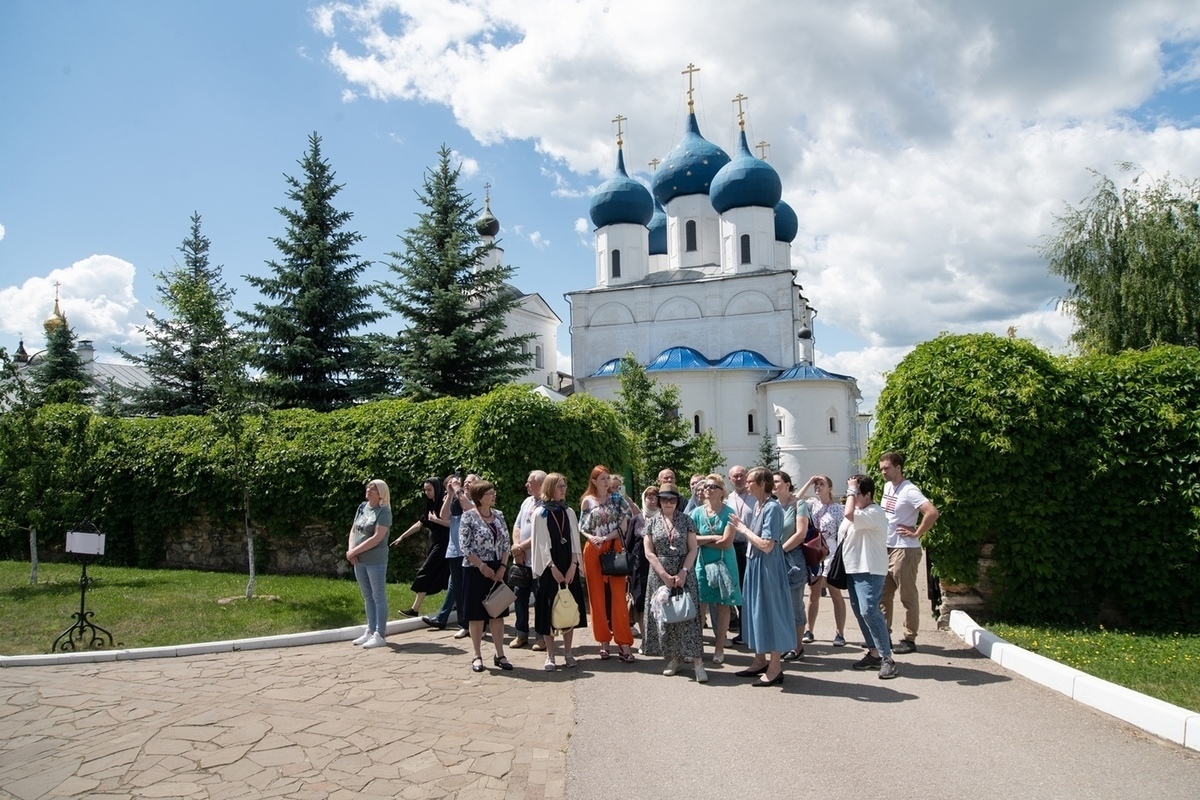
(468, 165)
(926, 147)
(96, 295)
(583, 229)
(1, 233)
(537, 240)
(349, 95)
(563, 187)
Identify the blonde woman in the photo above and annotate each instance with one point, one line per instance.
(714, 534)
(555, 557)
(367, 551)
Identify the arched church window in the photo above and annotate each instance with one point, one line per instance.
(780, 421)
(537, 357)
(696, 424)
(833, 424)
(745, 240)
(616, 263)
(689, 236)
(750, 422)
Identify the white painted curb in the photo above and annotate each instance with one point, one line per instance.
(203, 648)
(1164, 720)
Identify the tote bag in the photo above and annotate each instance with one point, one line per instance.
(837, 570)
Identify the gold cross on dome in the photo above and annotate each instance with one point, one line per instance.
(741, 98)
(691, 70)
(763, 147)
(654, 162)
(619, 119)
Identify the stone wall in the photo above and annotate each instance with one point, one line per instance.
(312, 550)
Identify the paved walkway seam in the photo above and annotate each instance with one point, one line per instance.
(1152, 715)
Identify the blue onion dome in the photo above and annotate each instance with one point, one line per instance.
(787, 224)
(487, 224)
(690, 167)
(621, 199)
(658, 231)
(745, 181)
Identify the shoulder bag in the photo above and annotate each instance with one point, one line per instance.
(678, 608)
(519, 576)
(499, 599)
(615, 563)
(836, 577)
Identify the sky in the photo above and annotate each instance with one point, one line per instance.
(926, 147)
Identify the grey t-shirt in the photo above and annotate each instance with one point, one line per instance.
(364, 528)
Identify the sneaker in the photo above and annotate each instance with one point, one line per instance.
(549, 666)
(904, 647)
(887, 669)
(360, 641)
(868, 662)
(808, 637)
(375, 641)
(839, 641)
(538, 646)
(461, 633)
(701, 675)
(518, 642)
(672, 667)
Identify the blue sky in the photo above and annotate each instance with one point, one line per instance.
(926, 146)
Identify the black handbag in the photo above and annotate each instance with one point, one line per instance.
(836, 577)
(615, 563)
(519, 576)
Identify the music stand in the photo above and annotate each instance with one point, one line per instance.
(86, 542)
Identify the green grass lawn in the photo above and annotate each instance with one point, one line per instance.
(1166, 666)
(152, 608)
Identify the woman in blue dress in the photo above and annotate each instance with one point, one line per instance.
(767, 621)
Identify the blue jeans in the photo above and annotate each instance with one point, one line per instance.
(453, 590)
(866, 592)
(523, 594)
(372, 582)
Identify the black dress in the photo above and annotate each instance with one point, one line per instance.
(559, 527)
(433, 575)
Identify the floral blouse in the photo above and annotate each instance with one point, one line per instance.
(608, 519)
(488, 541)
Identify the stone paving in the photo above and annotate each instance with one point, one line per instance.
(324, 721)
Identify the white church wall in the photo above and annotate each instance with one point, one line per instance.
(521, 321)
(759, 225)
(696, 208)
(632, 242)
(807, 446)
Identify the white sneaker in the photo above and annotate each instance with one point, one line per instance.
(701, 675)
(360, 641)
(461, 633)
(375, 641)
(672, 667)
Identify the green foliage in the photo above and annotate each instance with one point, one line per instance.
(453, 300)
(189, 349)
(1079, 476)
(58, 374)
(1133, 259)
(659, 437)
(140, 479)
(306, 346)
(768, 452)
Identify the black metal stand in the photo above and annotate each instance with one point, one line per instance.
(84, 633)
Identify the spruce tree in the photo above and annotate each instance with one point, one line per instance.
(305, 340)
(453, 299)
(190, 345)
(59, 375)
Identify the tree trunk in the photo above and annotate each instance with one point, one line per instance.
(249, 541)
(33, 556)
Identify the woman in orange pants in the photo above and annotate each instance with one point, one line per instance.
(604, 519)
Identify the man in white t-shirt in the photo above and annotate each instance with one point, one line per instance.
(522, 533)
(910, 515)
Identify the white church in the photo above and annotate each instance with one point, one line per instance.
(696, 281)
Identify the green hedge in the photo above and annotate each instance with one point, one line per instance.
(1083, 474)
(139, 479)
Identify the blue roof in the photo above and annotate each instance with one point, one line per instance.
(621, 199)
(787, 224)
(658, 231)
(745, 181)
(690, 167)
(610, 367)
(745, 359)
(807, 372)
(678, 358)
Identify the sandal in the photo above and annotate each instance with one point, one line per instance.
(604, 654)
(626, 657)
(477, 664)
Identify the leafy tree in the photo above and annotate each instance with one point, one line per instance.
(454, 301)
(188, 347)
(768, 453)
(59, 375)
(659, 436)
(1133, 259)
(307, 350)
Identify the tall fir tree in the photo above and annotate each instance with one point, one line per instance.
(59, 375)
(193, 343)
(453, 299)
(305, 340)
